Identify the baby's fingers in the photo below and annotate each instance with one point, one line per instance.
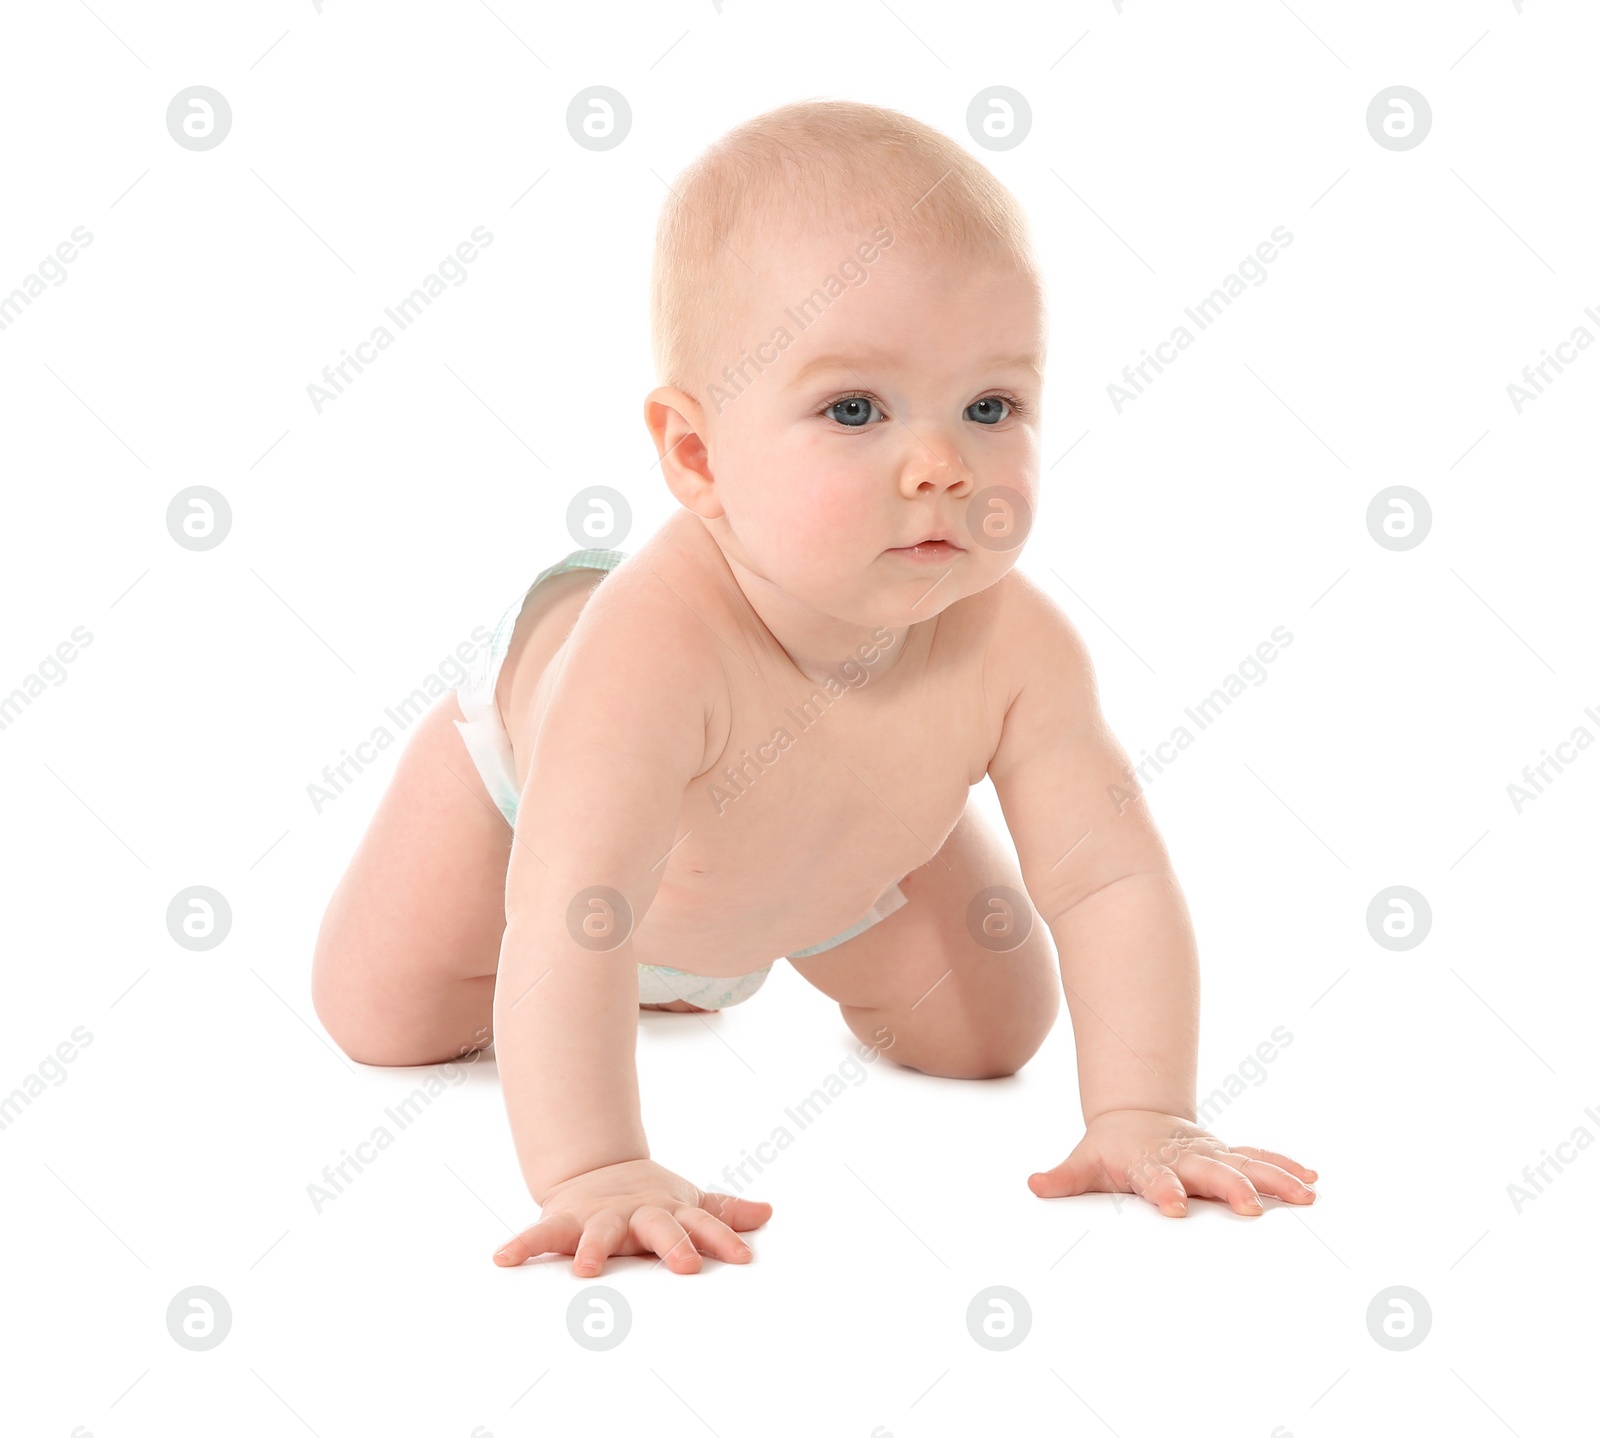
(556, 1234)
(1269, 1178)
(713, 1236)
(1160, 1186)
(1210, 1178)
(1299, 1170)
(740, 1214)
(602, 1235)
(658, 1231)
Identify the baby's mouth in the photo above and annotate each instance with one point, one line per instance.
(929, 550)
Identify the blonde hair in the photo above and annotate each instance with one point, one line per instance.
(812, 168)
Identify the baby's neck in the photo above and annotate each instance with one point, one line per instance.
(821, 647)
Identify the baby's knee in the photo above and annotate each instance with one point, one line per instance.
(945, 1051)
(345, 1007)
(967, 1062)
(342, 1019)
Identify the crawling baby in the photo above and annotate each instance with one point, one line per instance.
(754, 735)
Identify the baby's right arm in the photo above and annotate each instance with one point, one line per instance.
(622, 733)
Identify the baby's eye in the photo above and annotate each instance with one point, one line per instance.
(988, 410)
(854, 412)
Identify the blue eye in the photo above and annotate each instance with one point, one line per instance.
(987, 410)
(854, 412)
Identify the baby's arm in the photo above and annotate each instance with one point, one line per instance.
(1098, 873)
(622, 734)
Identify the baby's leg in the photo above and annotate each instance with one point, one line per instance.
(942, 1002)
(406, 957)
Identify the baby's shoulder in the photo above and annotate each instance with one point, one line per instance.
(655, 616)
(639, 672)
(656, 638)
(1013, 612)
(1017, 628)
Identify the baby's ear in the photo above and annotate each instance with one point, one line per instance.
(677, 424)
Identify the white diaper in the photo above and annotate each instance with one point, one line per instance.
(658, 985)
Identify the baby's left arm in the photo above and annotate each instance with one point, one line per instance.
(1098, 873)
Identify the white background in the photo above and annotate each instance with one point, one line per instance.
(369, 540)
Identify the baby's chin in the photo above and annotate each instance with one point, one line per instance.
(882, 596)
(870, 589)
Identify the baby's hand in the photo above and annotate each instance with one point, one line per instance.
(636, 1207)
(1163, 1158)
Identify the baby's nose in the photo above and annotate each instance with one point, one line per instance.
(934, 462)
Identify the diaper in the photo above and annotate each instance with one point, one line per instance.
(490, 750)
(889, 900)
(661, 985)
(481, 729)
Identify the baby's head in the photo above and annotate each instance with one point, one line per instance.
(849, 334)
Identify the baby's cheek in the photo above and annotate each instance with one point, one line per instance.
(809, 511)
(834, 491)
(799, 497)
(833, 530)
(834, 510)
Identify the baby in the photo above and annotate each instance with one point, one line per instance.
(755, 736)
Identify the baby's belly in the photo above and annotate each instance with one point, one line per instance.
(733, 925)
(801, 856)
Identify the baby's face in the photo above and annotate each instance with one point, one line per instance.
(907, 410)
